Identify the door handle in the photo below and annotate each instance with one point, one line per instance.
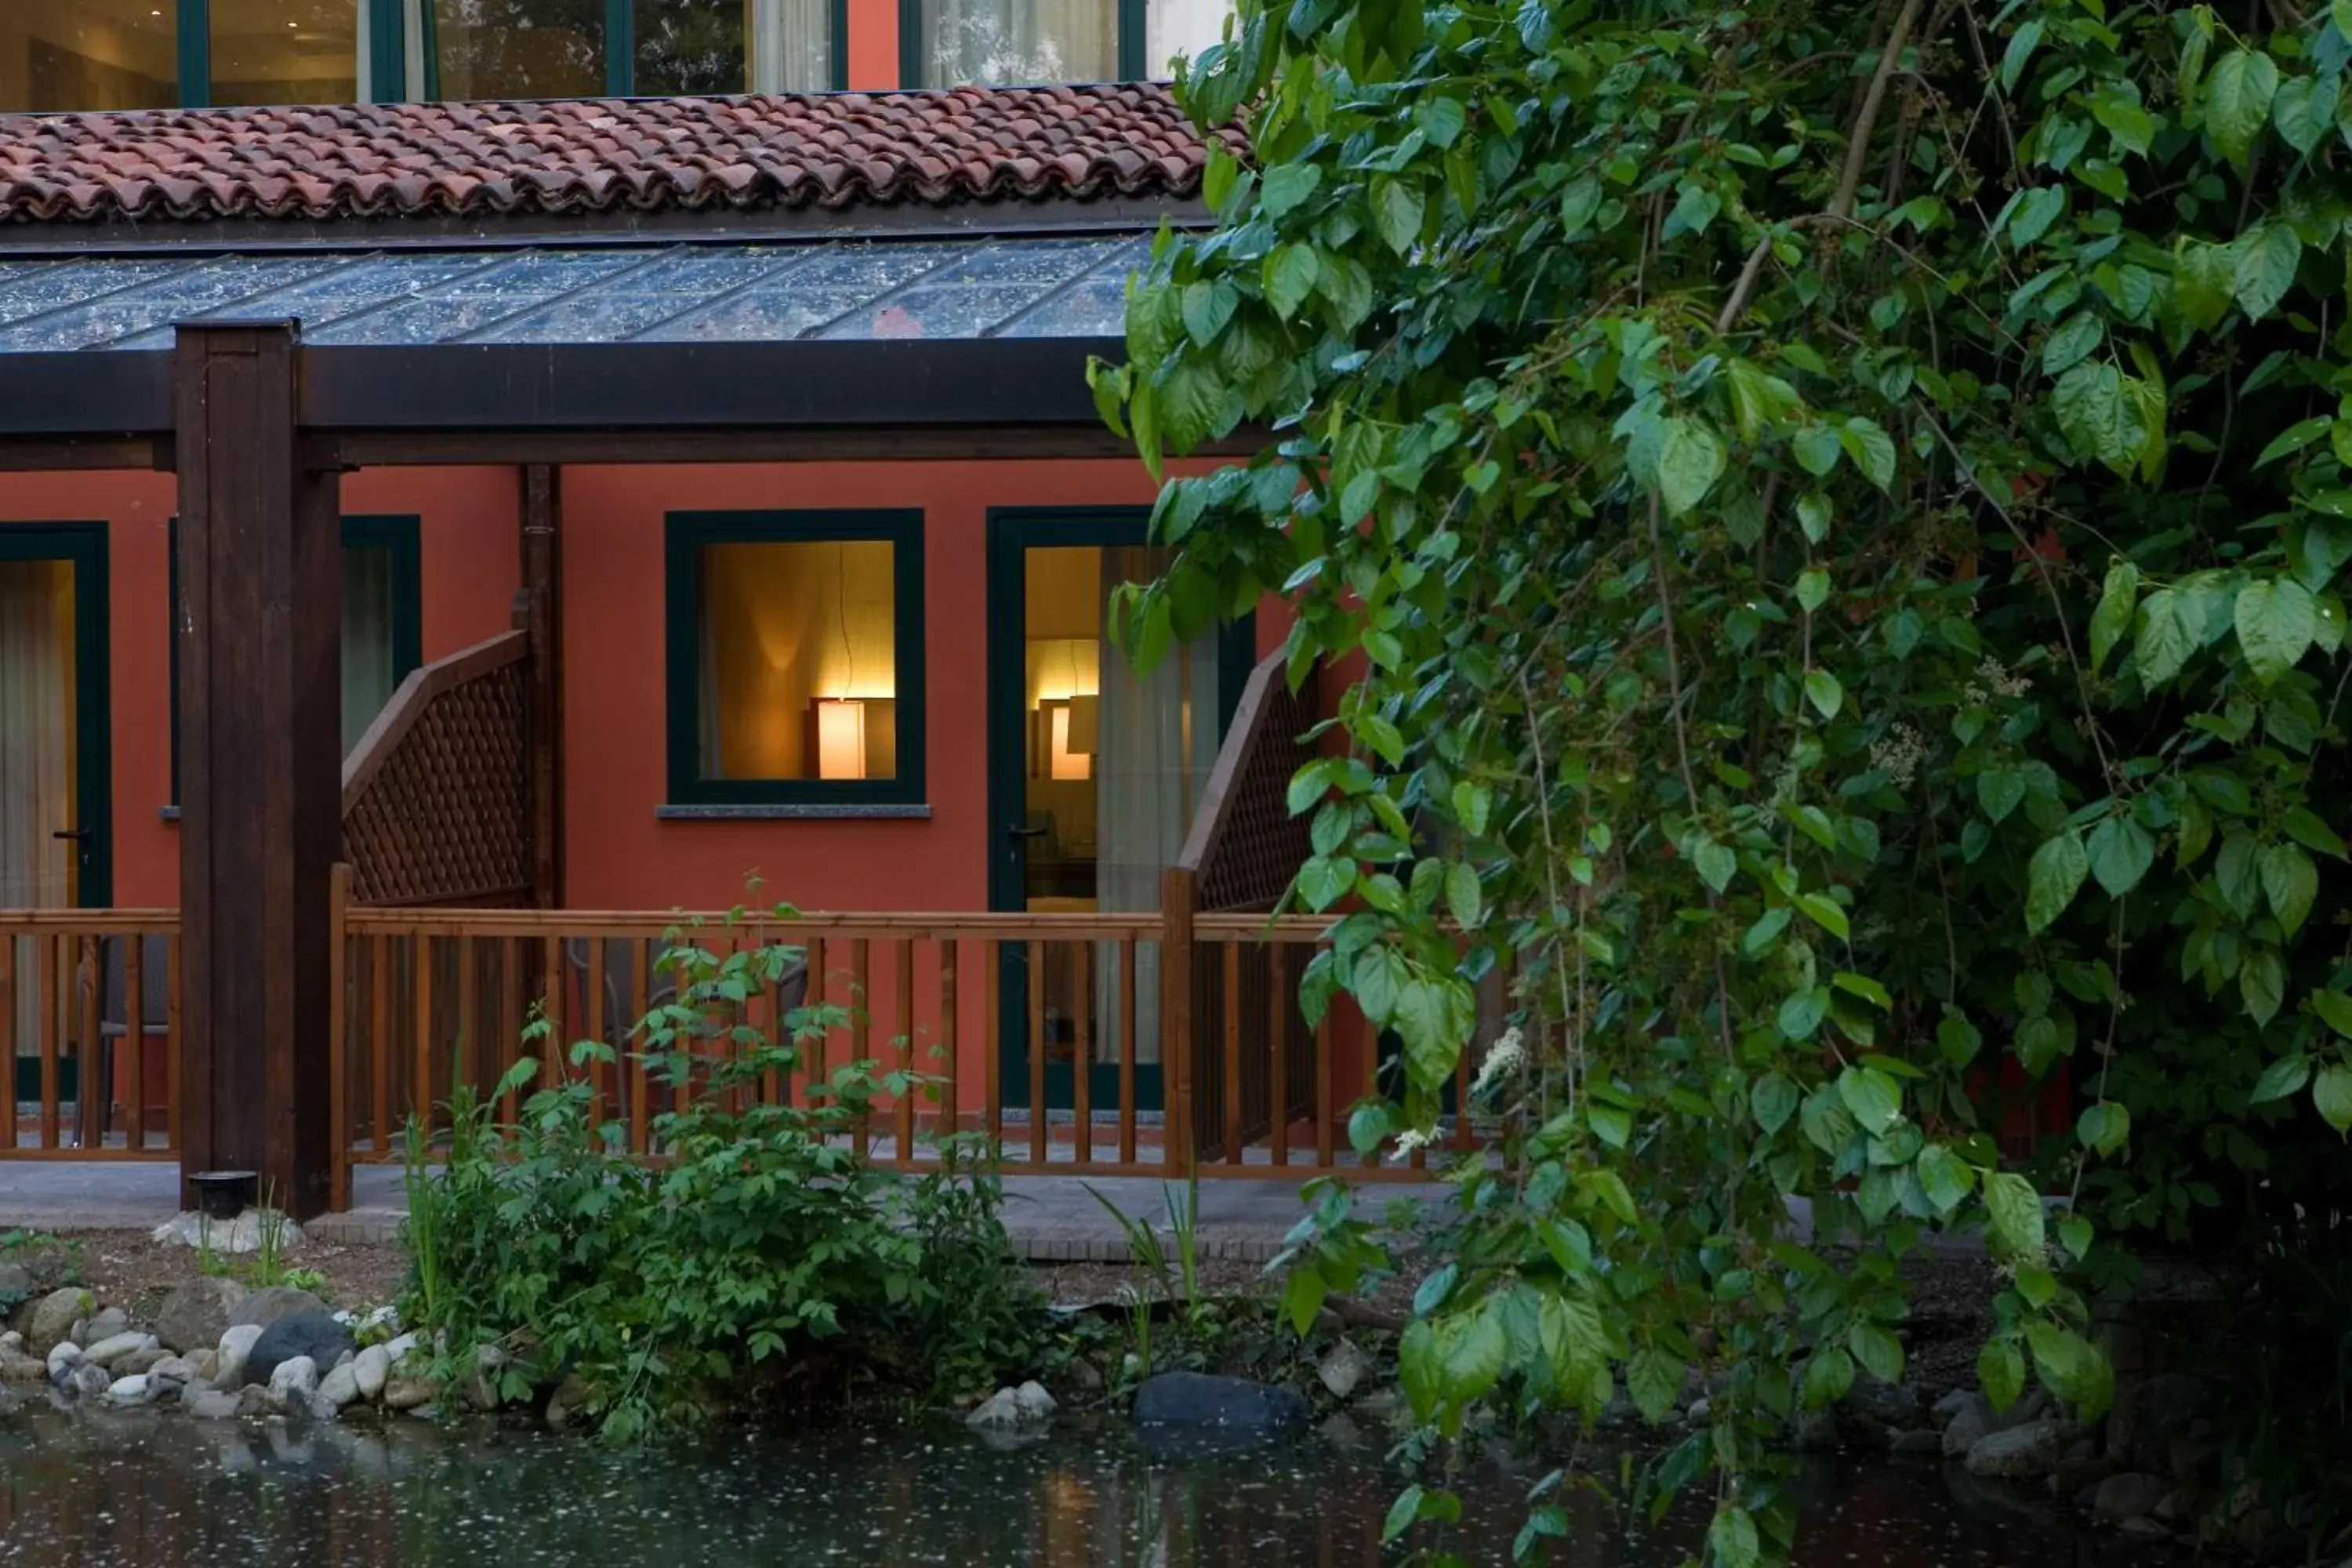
(79, 835)
(1017, 831)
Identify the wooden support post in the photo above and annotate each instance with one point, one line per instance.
(1178, 894)
(542, 621)
(261, 771)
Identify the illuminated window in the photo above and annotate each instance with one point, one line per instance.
(285, 51)
(581, 48)
(90, 54)
(795, 663)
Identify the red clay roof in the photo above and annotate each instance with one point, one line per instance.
(403, 160)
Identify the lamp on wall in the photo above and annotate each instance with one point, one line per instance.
(840, 738)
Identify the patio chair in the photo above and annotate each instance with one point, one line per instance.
(620, 977)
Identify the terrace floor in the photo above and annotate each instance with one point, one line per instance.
(1049, 1218)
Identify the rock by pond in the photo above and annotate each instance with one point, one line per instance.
(313, 1335)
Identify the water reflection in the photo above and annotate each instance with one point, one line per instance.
(158, 1492)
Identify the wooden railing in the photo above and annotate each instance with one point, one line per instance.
(1237, 1079)
(428, 1000)
(436, 793)
(90, 1031)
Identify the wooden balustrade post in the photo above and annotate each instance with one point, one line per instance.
(338, 1070)
(260, 637)
(1178, 894)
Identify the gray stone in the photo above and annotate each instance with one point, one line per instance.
(371, 1369)
(292, 1382)
(263, 1307)
(2142, 1528)
(16, 1284)
(144, 1359)
(1034, 1403)
(1343, 1370)
(252, 1401)
(1951, 1404)
(567, 1403)
(204, 1363)
(2127, 1496)
(174, 1370)
(1966, 1425)
(133, 1390)
(194, 1314)
(53, 1317)
(1920, 1444)
(1702, 1411)
(1340, 1429)
(314, 1336)
(90, 1382)
(1890, 1405)
(1199, 1399)
(236, 1349)
(210, 1405)
(112, 1348)
(406, 1393)
(2021, 1453)
(15, 1366)
(64, 1356)
(339, 1387)
(109, 1322)
(324, 1409)
(1000, 1412)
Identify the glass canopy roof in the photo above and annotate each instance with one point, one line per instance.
(1019, 288)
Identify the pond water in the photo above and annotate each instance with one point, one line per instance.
(159, 1492)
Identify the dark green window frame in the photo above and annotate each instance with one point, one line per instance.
(386, 42)
(400, 534)
(84, 544)
(687, 533)
(388, 56)
(1132, 21)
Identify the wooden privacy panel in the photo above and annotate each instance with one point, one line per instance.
(1245, 846)
(436, 796)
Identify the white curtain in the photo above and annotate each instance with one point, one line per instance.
(791, 45)
(1159, 741)
(1010, 42)
(35, 758)
(1185, 27)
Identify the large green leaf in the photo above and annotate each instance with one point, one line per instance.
(2303, 110)
(1878, 1350)
(2238, 100)
(2118, 601)
(1286, 185)
(2275, 621)
(1398, 207)
(2290, 881)
(1945, 1177)
(1289, 278)
(2053, 878)
(2204, 281)
(2015, 1209)
(2000, 1369)
(1829, 1373)
(1690, 459)
(1655, 1379)
(1873, 1097)
(1772, 1099)
(2331, 1092)
(2165, 639)
(2267, 259)
(2121, 852)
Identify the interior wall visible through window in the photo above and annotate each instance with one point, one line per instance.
(798, 643)
(58, 55)
(1008, 42)
(285, 51)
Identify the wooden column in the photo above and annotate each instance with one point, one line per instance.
(261, 771)
(543, 620)
(1179, 894)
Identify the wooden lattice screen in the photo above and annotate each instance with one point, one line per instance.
(436, 795)
(1243, 848)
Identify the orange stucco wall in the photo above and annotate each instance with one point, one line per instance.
(615, 769)
(471, 567)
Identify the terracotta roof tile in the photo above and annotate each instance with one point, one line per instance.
(483, 160)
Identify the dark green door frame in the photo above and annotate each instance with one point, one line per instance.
(84, 546)
(1012, 532)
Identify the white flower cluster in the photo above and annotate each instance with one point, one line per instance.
(1898, 754)
(1994, 679)
(1504, 1058)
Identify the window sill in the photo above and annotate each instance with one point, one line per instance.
(805, 811)
(170, 813)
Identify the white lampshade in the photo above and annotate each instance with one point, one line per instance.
(1086, 724)
(840, 738)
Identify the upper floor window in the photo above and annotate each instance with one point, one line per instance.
(949, 43)
(578, 48)
(80, 55)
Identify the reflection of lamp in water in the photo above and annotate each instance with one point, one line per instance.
(840, 738)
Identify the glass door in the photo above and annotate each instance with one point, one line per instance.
(1095, 775)
(54, 750)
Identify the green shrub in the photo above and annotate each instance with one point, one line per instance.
(763, 1251)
